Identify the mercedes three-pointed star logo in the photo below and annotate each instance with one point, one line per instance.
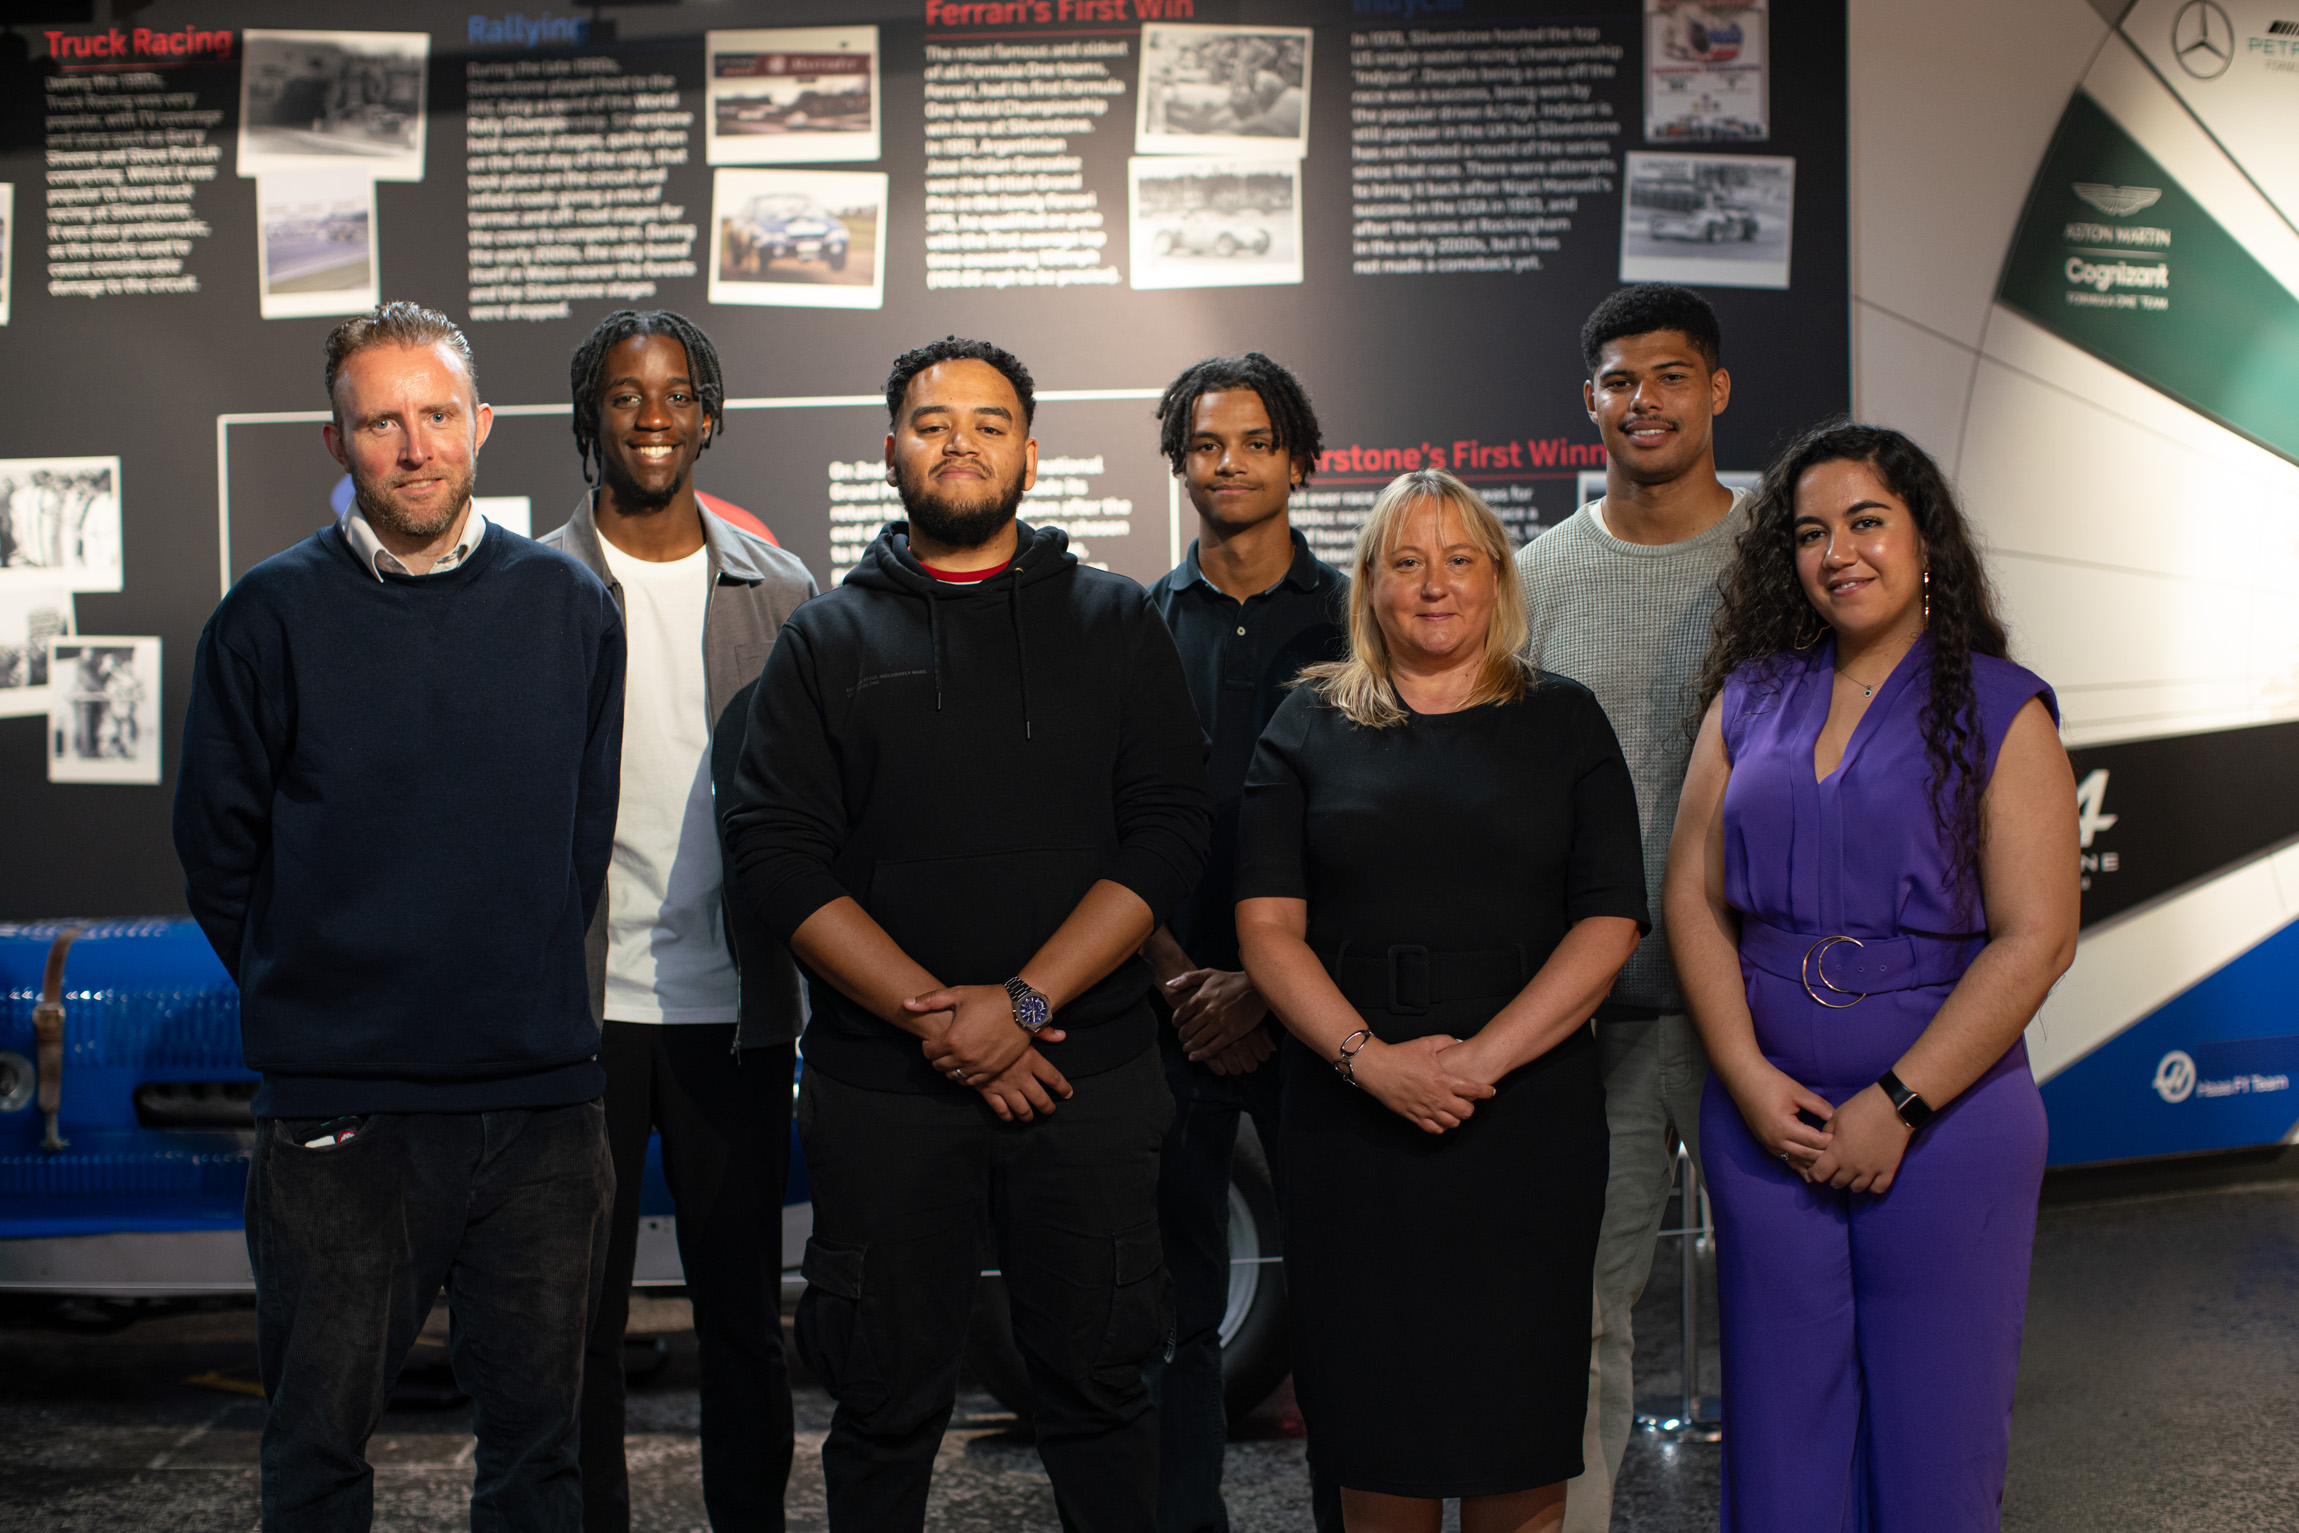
(2203, 39)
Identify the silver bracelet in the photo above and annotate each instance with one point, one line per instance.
(1351, 1047)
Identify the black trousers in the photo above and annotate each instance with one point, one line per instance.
(726, 1155)
(913, 1196)
(351, 1244)
(1193, 1211)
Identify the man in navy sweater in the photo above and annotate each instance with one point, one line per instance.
(395, 810)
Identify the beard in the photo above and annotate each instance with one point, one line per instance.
(382, 509)
(947, 521)
(631, 498)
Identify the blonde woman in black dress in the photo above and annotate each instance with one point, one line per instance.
(1439, 876)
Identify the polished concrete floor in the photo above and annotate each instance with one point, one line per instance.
(2159, 1389)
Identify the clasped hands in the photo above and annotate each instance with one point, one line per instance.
(972, 1038)
(1435, 1082)
(1858, 1145)
(1219, 1014)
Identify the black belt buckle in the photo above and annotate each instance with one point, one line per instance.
(1403, 957)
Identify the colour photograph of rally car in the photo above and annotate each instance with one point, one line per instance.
(785, 226)
(1209, 231)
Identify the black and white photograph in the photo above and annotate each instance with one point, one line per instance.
(1705, 76)
(791, 96)
(1220, 221)
(104, 709)
(1708, 220)
(28, 620)
(60, 524)
(310, 100)
(315, 247)
(1208, 89)
(7, 244)
(811, 239)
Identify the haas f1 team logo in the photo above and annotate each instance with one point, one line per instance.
(2175, 1076)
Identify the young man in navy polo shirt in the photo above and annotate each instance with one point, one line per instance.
(1249, 606)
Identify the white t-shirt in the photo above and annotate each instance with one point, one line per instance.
(666, 940)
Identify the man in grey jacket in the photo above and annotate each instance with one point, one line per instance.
(698, 1006)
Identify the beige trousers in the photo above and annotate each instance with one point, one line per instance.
(1653, 1074)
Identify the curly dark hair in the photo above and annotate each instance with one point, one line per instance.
(1292, 420)
(1765, 612)
(1644, 307)
(953, 348)
(587, 368)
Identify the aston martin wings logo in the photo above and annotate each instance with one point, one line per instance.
(2118, 201)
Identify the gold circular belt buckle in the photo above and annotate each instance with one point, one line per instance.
(1816, 957)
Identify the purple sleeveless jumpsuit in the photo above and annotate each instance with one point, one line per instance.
(1870, 1343)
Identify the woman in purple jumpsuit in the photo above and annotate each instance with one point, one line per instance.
(1872, 886)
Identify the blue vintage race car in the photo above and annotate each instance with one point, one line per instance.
(125, 1131)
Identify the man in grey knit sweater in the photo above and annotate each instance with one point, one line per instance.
(1621, 594)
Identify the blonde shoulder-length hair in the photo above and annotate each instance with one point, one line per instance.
(1360, 686)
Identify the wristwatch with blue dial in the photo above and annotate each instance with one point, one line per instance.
(1032, 1011)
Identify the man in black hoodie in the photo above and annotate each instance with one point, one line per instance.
(973, 785)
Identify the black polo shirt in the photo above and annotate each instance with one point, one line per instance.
(1240, 658)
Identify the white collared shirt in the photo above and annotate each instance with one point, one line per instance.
(383, 562)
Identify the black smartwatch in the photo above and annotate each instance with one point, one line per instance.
(1913, 1109)
(1032, 1011)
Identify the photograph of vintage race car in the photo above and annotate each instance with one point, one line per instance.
(1210, 231)
(1214, 221)
(333, 100)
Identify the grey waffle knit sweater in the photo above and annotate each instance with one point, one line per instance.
(1631, 623)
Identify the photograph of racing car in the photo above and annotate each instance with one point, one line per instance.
(1722, 220)
(812, 238)
(1206, 88)
(316, 244)
(1214, 222)
(1210, 231)
(784, 226)
(792, 95)
(313, 99)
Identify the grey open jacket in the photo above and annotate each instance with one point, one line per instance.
(754, 587)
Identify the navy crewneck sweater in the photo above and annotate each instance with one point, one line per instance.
(395, 811)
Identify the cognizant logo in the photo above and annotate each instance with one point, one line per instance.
(2175, 1076)
(2104, 275)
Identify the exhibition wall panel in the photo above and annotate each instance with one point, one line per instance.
(1413, 203)
(2106, 360)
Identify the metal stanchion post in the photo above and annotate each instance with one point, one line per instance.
(1683, 1420)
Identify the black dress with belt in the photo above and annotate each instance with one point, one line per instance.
(1441, 1283)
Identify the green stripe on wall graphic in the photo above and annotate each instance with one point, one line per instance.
(2115, 257)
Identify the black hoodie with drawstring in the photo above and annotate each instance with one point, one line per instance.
(965, 761)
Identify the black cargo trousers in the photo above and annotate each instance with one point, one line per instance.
(914, 1194)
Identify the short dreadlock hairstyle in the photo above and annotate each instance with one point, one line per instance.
(395, 324)
(953, 348)
(1292, 420)
(587, 370)
(1645, 307)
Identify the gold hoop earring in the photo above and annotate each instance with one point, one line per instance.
(1819, 630)
(1927, 596)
